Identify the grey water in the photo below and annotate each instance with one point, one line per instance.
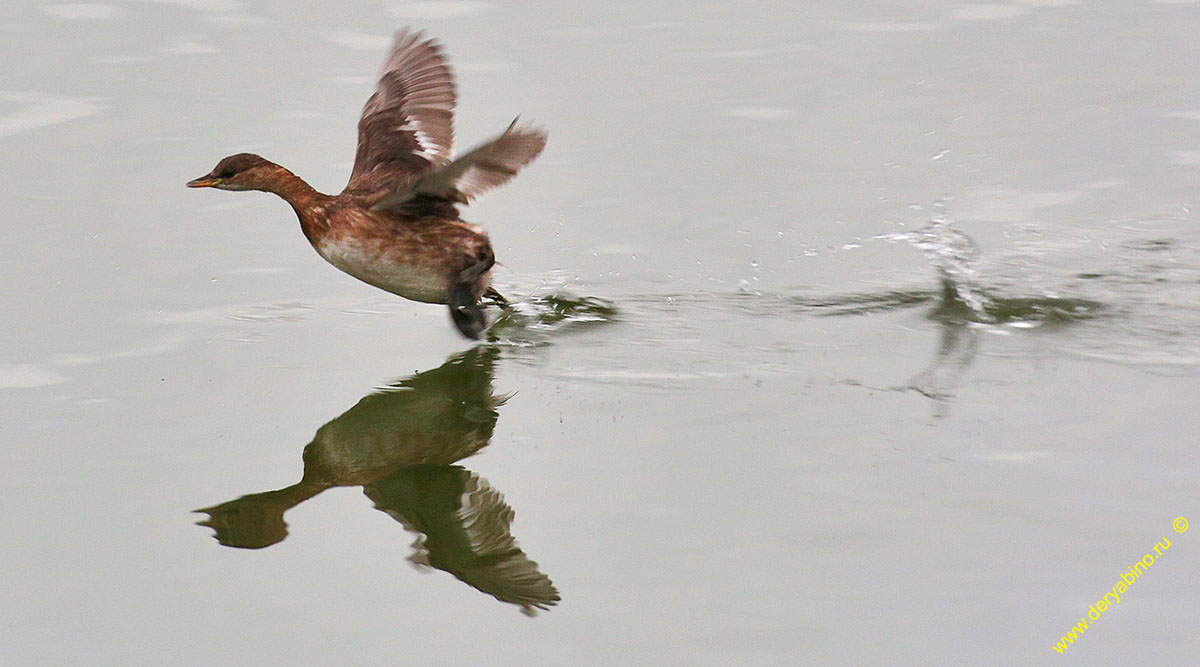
(841, 333)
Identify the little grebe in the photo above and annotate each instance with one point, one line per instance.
(396, 224)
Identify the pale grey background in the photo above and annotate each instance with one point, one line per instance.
(729, 474)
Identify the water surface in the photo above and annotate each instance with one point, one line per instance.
(750, 407)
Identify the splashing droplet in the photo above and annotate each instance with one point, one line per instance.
(954, 255)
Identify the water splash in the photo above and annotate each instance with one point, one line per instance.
(531, 320)
(1017, 312)
(556, 311)
(954, 255)
(962, 296)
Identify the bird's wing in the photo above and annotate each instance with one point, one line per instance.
(484, 553)
(407, 126)
(462, 526)
(484, 167)
(497, 566)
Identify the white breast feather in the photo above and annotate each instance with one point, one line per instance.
(366, 261)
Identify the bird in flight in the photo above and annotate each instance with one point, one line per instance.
(396, 225)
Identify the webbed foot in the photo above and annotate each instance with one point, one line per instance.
(495, 297)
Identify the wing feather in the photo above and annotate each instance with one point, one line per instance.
(407, 126)
(484, 167)
(463, 527)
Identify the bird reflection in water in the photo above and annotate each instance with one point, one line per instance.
(399, 444)
(958, 343)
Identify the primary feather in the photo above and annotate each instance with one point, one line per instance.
(407, 126)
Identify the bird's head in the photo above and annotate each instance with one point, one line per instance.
(244, 171)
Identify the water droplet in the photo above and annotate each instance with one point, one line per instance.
(744, 288)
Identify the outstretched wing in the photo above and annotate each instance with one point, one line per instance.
(486, 166)
(407, 127)
(462, 527)
(496, 565)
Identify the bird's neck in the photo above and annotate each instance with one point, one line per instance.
(307, 202)
(291, 187)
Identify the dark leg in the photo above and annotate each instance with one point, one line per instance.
(464, 307)
(465, 312)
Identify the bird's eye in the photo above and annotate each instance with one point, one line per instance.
(226, 173)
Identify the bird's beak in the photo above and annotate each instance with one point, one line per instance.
(204, 182)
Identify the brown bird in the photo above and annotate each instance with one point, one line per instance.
(396, 224)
